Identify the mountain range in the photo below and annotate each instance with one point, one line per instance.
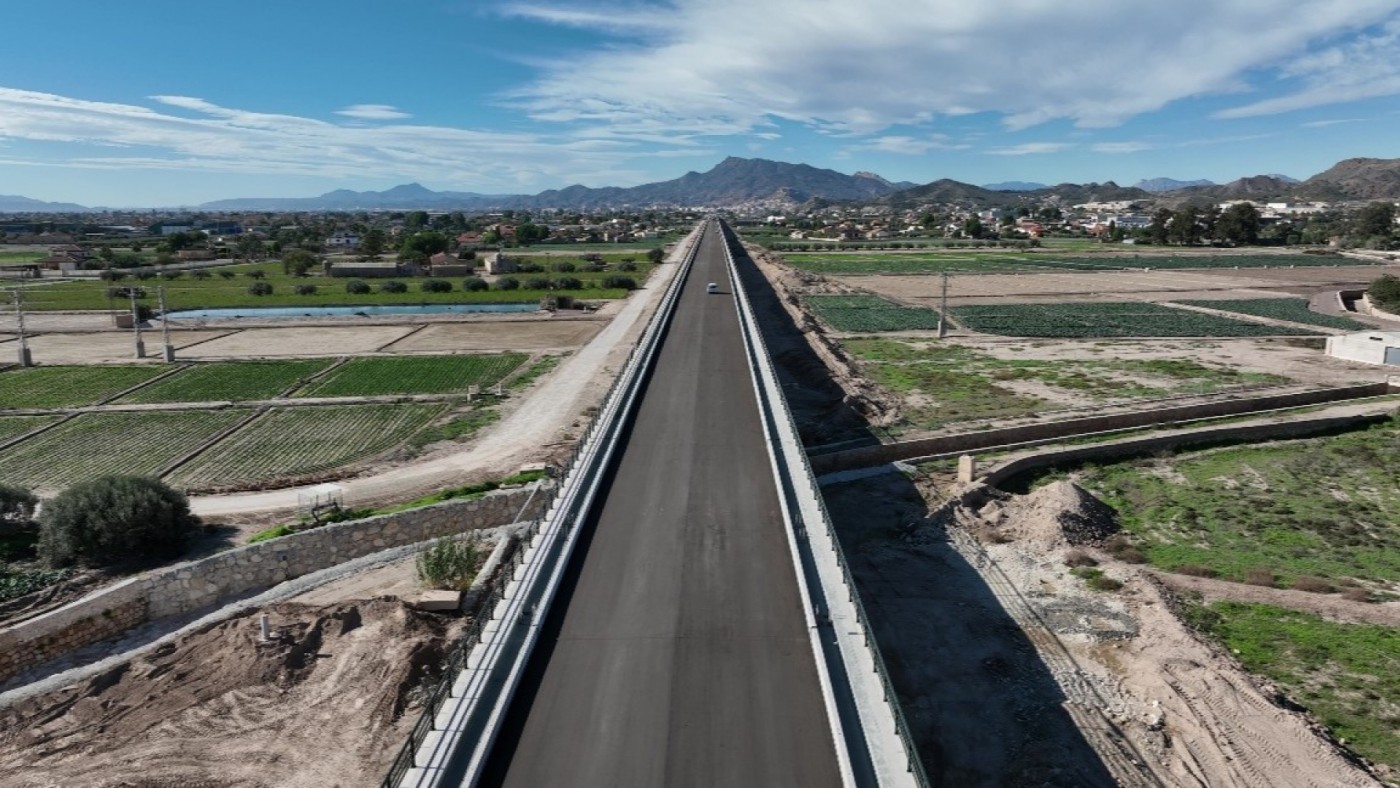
(764, 184)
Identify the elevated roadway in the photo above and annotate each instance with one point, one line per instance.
(677, 653)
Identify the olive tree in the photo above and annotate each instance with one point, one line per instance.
(113, 519)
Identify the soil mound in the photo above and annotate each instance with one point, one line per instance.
(1062, 513)
(321, 703)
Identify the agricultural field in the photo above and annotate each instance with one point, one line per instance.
(63, 387)
(294, 442)
(966, 261)
(1292, 309)
(385, 375)
(94, 444)
(869, 313)
(1293, 513)
(941, 382)
(1107, 319)
(1348, 675)
(227, 381)
(189, 291)
(15, 426)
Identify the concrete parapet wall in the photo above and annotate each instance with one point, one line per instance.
(972, 441)
(192, 585)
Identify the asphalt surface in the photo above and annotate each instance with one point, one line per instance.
(677, 654)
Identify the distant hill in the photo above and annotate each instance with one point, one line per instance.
(734, 181)
(945, 190)
(1014, 186)
(1354, 179)
(13, 203)
(1155, 185)
(1108, 191)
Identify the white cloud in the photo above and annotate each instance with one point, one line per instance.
(1131, 146)
(863, 67)
(212, 138)
(909, 146)
(1364, 67)
(1322, 124)
(373, 112)
(1031, 148)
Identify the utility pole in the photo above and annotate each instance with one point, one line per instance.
(165, 327)
(943, 309)
(136, 324)
(25, 359)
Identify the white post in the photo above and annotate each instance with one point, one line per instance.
(136, 324)
(165, 327)
(265, 628)
(943, 309)
(25, 359)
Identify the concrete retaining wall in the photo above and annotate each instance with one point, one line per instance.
(190, 586)
(972, 441)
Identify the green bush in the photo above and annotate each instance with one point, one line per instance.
(565, 267)
(356, 287)
(304, 290)
(568, 283)
(475, 284)
(260, 289)
(449, 564)
(271, 533)
(1385, 292)
(507, 283)
(538, 283)
(113, 519)
(17, 507)
(393, 286)
(436, 286)
(619, 283)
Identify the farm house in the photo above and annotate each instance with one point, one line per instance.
(1368, 347)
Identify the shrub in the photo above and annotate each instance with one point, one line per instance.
(171, 274)
(112, 275)
(449, 564)
(1194, 570)
(356, 287)
(145, 274)
(507, 283)
(199, 273)
(393, 286)
(226, 274)
(256, 273)
(1260, 576)
(568, 283)
(627, 265)
(1315, 585)
(115, 518)
(260, 289)
(436, 286)
(271, 533)
(1078, 557)
(618, 283)
(304, 289)
(17, 507)
(538, 283)
(1357, 594)
(1121, 547)
(1096, 579)
(475, 284)
(564, 267)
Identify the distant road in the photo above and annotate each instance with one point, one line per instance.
(677, 654)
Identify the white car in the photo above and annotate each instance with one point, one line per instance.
(712, 287)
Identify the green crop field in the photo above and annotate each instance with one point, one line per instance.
(227, 381)
(1348, 675)
(95, 444)
(291, 442)
(1001, 261)
(370, 376)
(1116, 319)
(943, 383)
(15, 426)
(869, 313)
(63, 387)
(188, 292)
(1292, 309)
(1325, 508)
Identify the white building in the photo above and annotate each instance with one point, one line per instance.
(1368, 347)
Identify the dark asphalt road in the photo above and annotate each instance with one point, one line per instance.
(679, 656)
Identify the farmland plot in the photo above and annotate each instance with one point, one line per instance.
(1004, 262)
(370, 376)
(15, 426)
(292, 442)
(868, 313)
(95, 444)
(1291, 309)
(62, 387)
(1107, 319)
(232, 380)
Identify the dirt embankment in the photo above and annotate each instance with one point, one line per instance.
(1015, 672)
(326, 702)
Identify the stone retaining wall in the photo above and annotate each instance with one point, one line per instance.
(190, 586)
(973, 441)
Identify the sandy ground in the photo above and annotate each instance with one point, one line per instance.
(1012, 672)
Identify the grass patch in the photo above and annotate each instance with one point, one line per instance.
(17, 583)
(450, 564)
(271, 533)
(869, 313)
(542, 366)
(966, 260)
(1348, 675)
(371, 376)
(228, 380)
(456, 428)
(66, 387)
(1324, 508)
(1294, 310)
(1107, 319)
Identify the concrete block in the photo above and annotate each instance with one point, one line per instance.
(438, 600)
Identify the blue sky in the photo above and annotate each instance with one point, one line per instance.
(158, 103)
